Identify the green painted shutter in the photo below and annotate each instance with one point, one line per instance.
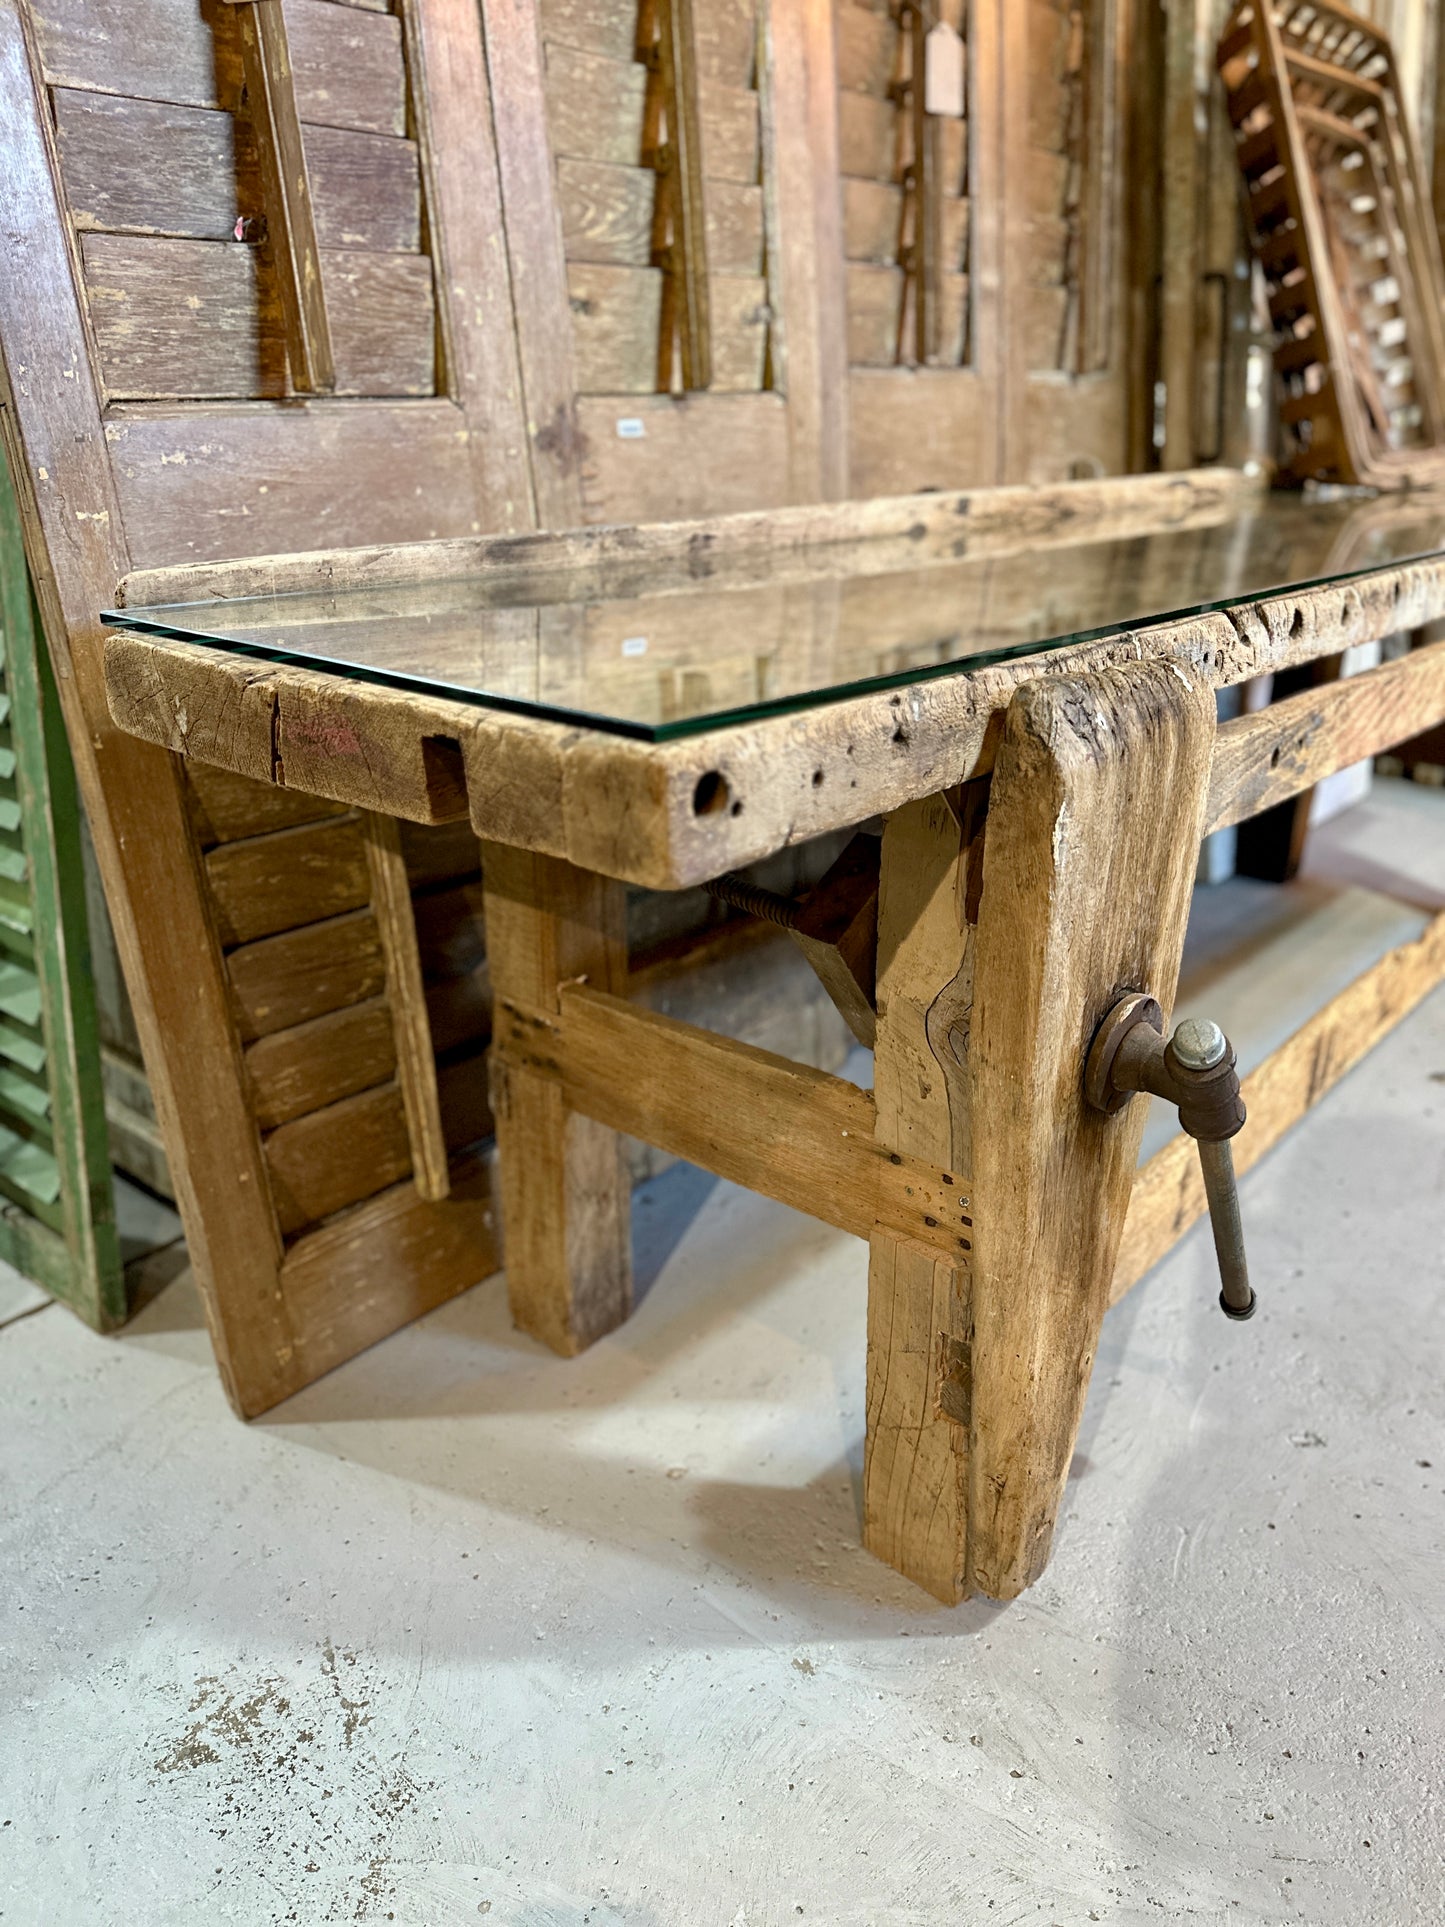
(57, 1210)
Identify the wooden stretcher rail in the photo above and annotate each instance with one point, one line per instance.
(670, 815)
(779, 1128)
(807, 1139)
(1276, 753)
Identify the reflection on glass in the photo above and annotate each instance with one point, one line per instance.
(654, 647)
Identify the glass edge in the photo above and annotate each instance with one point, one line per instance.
(147, 622)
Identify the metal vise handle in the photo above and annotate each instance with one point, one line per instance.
(1195, 1070)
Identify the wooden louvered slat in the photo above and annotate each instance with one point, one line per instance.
(148, 167)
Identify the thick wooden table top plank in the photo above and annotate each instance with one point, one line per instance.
(859, 577)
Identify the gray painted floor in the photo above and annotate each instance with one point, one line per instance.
(467, 1631)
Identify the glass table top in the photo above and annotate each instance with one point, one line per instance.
(646, 649)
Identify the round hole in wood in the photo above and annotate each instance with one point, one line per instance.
(711, 794)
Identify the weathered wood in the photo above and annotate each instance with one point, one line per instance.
(804, 245)
(275, 120)
(617, 328)
(200, 318)
(595, 107)
(177, 477)
(313, 1064)
(437, 853)
(148, 167)
(697, 455)
(868, 49)
(832, 538)
(683, 192)
(873, 221)
(875, 315)
(596, 26)
(457, 85)
(1095, 814)
(727, 38)
(335, 1157)
(415, 1061)
(915, 1473)
(565, 1196)
(196, 484)
(319, 739)
(734, 220)
(739, 318)
(628, 808)
(607, 212)
(183, 318)
(383, 318)
(731, 131)
(522, 100)
(348, 60)
(279, 982)
(349, 67)
(225, 806)
(54, 1100)
(1168, 1195)
(919, 428)
(264, 884)
(384, 1262)
(767, 1122)
(837, 931)
(868, 137)
(1275, 753)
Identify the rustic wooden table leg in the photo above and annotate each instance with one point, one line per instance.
(565, 1189)
(1095, 817)
(915, 1467)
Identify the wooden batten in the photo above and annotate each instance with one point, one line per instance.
(270, 82)
(414, 1053)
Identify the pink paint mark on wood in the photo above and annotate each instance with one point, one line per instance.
(328, 737)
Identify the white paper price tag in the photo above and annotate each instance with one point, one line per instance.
(943, 72)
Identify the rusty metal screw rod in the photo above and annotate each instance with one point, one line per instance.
(754, 900)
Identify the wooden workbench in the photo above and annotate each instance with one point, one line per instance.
(1043, 815)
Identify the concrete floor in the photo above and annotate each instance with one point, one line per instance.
(377, 1657)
